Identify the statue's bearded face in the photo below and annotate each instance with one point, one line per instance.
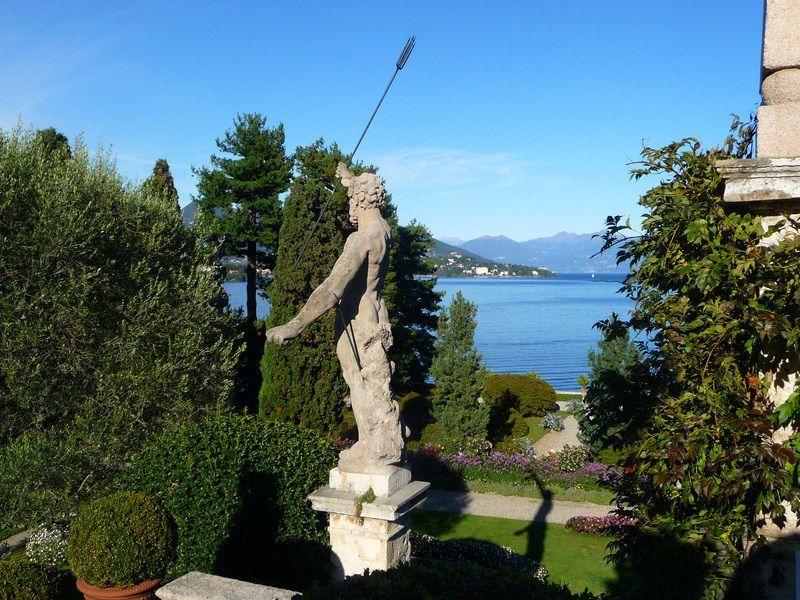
(365, 192)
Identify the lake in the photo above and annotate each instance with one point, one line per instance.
(541, 325)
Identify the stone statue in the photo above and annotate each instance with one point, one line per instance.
(363, 333)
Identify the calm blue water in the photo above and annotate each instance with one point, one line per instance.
(527, 325)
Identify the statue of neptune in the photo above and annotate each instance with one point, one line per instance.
(363, 333)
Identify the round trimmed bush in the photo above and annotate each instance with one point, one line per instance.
(21, 580)
(529, 394)
(121, 540)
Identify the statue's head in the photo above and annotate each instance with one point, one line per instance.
(365, 191)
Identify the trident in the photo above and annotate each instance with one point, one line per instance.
(401, 62)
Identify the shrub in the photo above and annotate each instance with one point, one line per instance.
(529, 394)
(237, 487)
(106, 318)
(416, 410)
(46, 546)
(465, 581)
(21, 580)
(570, 458)
(519, 427)
(485, 554)
(121, 540)
(574, 407)
(554, 422)
(613, 525)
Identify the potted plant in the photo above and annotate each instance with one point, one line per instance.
(120, 546)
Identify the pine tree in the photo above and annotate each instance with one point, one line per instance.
(161, 182)
(459, 375)
(302, 380)
(238, 197)
(412, 302)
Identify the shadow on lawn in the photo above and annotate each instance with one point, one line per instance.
(537, 528)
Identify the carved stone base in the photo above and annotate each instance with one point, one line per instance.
(358, 544)
(369, 535)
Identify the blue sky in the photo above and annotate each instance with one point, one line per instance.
(515, 118)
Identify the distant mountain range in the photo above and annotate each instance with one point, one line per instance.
(563, 252)
(452, 261)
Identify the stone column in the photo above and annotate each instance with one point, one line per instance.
(368, 515)
(770, 183)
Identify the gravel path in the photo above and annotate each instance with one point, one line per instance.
(511, 507)
(556, 440)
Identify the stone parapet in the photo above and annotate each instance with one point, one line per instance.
(202, 586)
(762, 184)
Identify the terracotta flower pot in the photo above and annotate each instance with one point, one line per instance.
(143, 591)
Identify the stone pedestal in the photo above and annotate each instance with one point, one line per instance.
(368, 517)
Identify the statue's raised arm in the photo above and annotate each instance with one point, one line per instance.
(328, 293)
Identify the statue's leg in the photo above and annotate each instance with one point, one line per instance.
(352, 377)
(381, 415)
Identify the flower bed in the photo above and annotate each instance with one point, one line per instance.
(611, 525)
(446, 470)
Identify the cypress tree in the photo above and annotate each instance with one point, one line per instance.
(459, 376)
(162, 182)
(302, 382)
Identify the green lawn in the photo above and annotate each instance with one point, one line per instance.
(571, 558)
(569, 396)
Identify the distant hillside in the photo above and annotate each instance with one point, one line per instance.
(188, 212)
(452, 261)
(564, 252)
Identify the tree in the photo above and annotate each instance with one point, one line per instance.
(238, 197)
(161, 182)
(53, 142)
(714, 302)
(302, 381)
(411, 299)
(106, 332)
(621, 394)
(459, 375)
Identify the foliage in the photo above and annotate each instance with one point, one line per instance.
(237, 197)
(302, 381)
(479, 552)
(237, 487)
(411, 300)
(575, 407)
(715, 303)
(21, 580)
(459, 375)
(531, 395)
(121, 540)
(53, 143)
(415, 410)
(465, 581)
(46, 546)
(162, 183)
(613, 525)
(623, 389)
(553, 421)
(107, 332)
(570, 458)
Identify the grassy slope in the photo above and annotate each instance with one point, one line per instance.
(571, 558)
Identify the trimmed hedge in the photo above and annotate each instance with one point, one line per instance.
(529, 394)
(21, 580)
(441, 580)
(236, 486)
(121, 540)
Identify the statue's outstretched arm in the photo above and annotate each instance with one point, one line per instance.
(327, 294)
